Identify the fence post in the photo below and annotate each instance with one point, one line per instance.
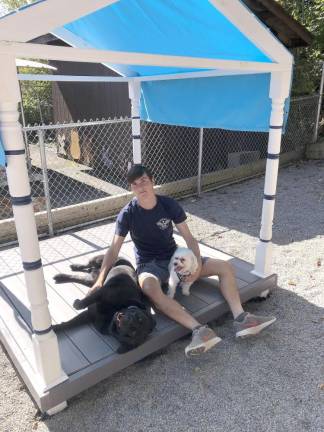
(40, 133)
(319, 106)
(134, 89)
(28, 158)
(201, 140)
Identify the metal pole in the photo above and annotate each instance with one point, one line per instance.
(319, 106)
(134, 89)
(46, 184)
(24, 126)
(201, 140)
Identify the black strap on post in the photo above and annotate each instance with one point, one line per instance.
(42, 332)
(14, 152)
(28, 266)
(273, 155)
(19, 201)
(269, 197)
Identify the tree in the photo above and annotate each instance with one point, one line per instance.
(308, 61)
(13, 4)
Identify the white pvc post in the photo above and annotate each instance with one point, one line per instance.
(134, 89)
(279, 91)
(45, 343)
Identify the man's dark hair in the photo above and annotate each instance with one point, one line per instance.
(137, 171)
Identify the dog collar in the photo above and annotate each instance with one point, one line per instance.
(182, 275)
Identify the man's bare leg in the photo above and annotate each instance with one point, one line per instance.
(203, 337)
(245, 324)
(227, 282)
(151, 288)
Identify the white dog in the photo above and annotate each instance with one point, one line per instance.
(183, 263)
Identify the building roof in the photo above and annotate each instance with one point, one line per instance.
(289, 31)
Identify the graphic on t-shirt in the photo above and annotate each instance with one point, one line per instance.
(163, 223)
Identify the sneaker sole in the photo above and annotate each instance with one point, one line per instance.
(252, 331)
(202, 348)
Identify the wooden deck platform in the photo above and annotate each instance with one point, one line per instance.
(87, 356)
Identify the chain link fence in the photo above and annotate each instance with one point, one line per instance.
(75, 163)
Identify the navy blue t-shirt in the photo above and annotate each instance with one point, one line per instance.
(151, 230)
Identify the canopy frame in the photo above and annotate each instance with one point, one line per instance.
(46, 16)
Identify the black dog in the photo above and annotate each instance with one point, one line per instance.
(117, 308)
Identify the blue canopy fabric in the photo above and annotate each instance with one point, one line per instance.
(186, 28)
(2, 155)
(192, 28)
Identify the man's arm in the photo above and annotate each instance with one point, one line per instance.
(193, 245)
(109, 259)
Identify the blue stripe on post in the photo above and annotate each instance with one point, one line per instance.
(42, 332)
(136, 118)
(273, 155)
(269, 197)
(14, 152)
(32, 265)
(136, 136)
(275, 127)
(19, 201)
(265, 241)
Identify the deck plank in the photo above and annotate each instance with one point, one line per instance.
(71, 291)
(84, 338)
(15, 291)
(61, 298)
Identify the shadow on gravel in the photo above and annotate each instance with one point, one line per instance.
(269, 383)
(299, 208)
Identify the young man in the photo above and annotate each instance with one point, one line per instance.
(148, 218)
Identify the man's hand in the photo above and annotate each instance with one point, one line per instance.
(97, 285)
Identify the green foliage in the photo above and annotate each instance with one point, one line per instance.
(37, 98)
(13, 4)
(308, 61)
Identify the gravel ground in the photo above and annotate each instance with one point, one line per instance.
(274, 382)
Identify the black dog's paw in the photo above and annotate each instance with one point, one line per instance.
(75, 267)
(77, 304)
(60, 278)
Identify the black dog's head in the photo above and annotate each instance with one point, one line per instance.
(131, 326)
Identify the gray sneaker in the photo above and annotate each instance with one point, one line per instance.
(249, 325)
(203, 338)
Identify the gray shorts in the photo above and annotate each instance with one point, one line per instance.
(159, 268)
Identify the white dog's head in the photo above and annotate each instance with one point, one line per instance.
(184, 261)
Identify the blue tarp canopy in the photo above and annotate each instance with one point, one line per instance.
(190, 28)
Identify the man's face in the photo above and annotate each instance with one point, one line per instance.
(142, 186)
